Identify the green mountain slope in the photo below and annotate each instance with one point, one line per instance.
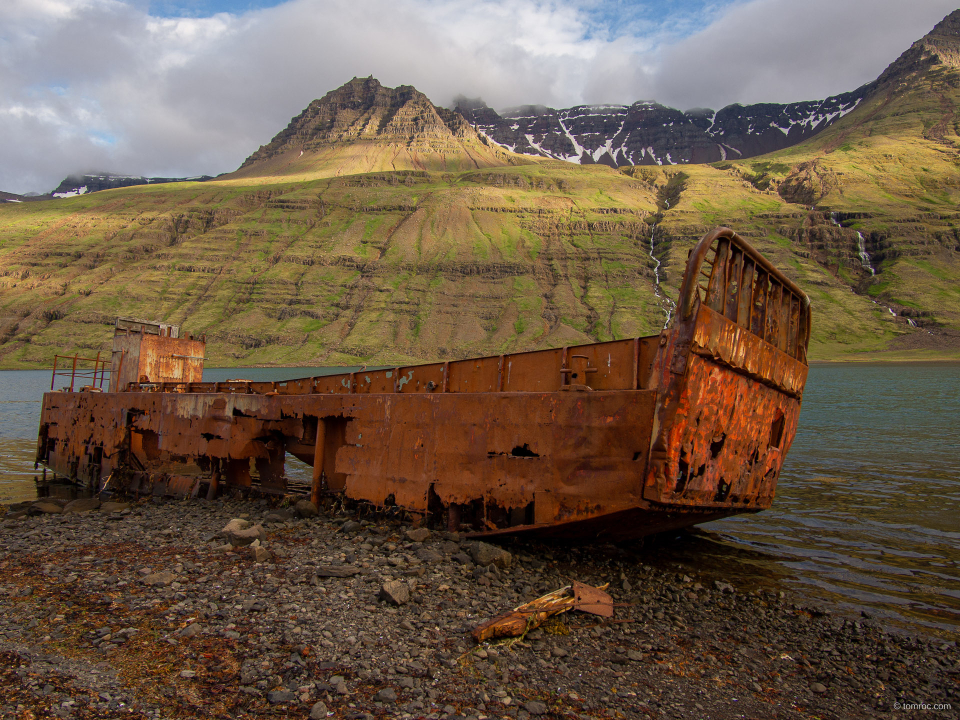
(378, 267)
(890, 171)
(377, 228)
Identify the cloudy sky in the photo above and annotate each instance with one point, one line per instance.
(187, 87)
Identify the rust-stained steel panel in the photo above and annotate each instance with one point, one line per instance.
(142, 357)
(616, 439)
(478, 375)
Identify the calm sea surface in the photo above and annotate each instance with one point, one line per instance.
(867, 514)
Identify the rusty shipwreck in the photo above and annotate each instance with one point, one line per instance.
(616, 439)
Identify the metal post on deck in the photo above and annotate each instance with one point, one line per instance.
(73, 373)
(96, 367)
(318, 458)
(53, 380)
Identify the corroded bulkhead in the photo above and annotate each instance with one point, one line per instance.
(616, 440)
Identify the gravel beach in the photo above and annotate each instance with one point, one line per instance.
(236, 609)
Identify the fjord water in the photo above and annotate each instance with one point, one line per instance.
(867, 513)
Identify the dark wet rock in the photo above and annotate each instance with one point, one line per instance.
(428, 555)
(305, 509)
(351, 526)
(318, 711)
(535, 707)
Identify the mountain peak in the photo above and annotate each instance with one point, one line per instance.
(940, 46)
(379, 128)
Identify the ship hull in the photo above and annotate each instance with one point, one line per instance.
(609, 440)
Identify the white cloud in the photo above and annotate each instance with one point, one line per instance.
(100, 84)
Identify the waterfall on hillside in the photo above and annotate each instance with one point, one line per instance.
(861, 247)
(864, 257)
(666, 304)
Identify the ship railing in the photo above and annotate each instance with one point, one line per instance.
(612, 365)
(730, 277)
(84, 373)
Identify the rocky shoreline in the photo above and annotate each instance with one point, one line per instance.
(164, 609)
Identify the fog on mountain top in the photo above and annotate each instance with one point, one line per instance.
(101, 83)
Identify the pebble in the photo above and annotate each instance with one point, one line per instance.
(535, 707)
(386, 695)
(396, 592)
(485, 554)
(191, 630)
(280, 696)
(418, 534)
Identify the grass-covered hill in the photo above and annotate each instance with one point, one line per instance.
(384, 230)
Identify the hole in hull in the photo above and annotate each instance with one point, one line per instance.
(776, 430)
(716, 446)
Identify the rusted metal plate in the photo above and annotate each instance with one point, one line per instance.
(477, 375)
(589, 599)
(421, 378)
(141, 357)
(615, 440)
(605, 366)
(532, 371)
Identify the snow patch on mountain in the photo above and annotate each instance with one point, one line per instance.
(72, 193)
(649, 133)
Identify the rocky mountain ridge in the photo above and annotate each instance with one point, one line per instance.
(648, 133)
(74, 185)
(94, 182)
